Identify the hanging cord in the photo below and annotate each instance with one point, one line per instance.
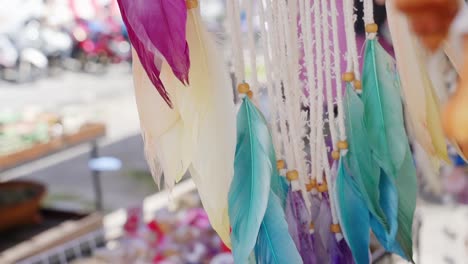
(236, 40)
(320, 97)
(371, 26)
(249, 7)
(306, 18)
(285, 110)
(328, 72)
(292, 92)
(353, 69)
(272, 103)
(337, 71)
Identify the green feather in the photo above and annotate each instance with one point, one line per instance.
(383, 109)
(359, 158)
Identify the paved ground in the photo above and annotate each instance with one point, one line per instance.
(108, 98)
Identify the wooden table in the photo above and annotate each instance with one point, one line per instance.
(89, 133)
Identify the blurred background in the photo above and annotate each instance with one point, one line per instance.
(73, 179)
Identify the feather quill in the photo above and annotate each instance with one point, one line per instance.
(274, 243)
(250, 188)
(353, 214)
(158, 28)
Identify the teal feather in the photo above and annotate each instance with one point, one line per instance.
(388, 140)
(274, 243)
(383, 111)
(359, 158)
(250, 187)
(407, 186)
(353, 215)
(389, 203)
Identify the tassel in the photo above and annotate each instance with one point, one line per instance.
(299, 219)
(209, 104)
(359, 157)
(157, 29)
(387, 136)
(353, 215)
(279, 184)
(253, 169)
(274, 243)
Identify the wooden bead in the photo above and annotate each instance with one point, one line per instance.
(336, 155)
(312, 185)
(357, 85)
(243, 88)
(280, 164)
(250, 94)
(342, 145)
(348, 76)
(335, 228)
(292, 175)
(191, 4)
(312, 226)
(372, 28)
(323, 187)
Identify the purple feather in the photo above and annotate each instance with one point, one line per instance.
(336, 252)
(157, 28)
(299, 220)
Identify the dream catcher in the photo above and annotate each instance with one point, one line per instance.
(314, 156)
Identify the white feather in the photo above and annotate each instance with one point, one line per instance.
(213, 164)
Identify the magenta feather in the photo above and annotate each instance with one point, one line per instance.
(299, 220)
(158, 28)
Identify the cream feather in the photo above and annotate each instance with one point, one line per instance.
(160, 126)
(199, 133)
(414, 95)
(213, 164)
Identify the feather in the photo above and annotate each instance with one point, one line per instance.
(387, 136)
(159, 137)
(248, 195)
(299, 222)
(359, 156)
(406, 184)
(421, 102)
(383, 113)
(210, 122)
(158, 28)
(322, 232)
(274, 243)
(411, 77)
(315, 202)
(353, 214)
(279, 184)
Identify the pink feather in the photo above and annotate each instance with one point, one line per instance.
(157, 28)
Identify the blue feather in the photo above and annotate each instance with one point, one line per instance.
(353, 215)
(250, 187)
(274, 243)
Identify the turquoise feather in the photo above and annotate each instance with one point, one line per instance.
(359, 158)
(388, 140)
(274, 243)
(383, 111)
(250, 187)
(353, 215)
(389, 203)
